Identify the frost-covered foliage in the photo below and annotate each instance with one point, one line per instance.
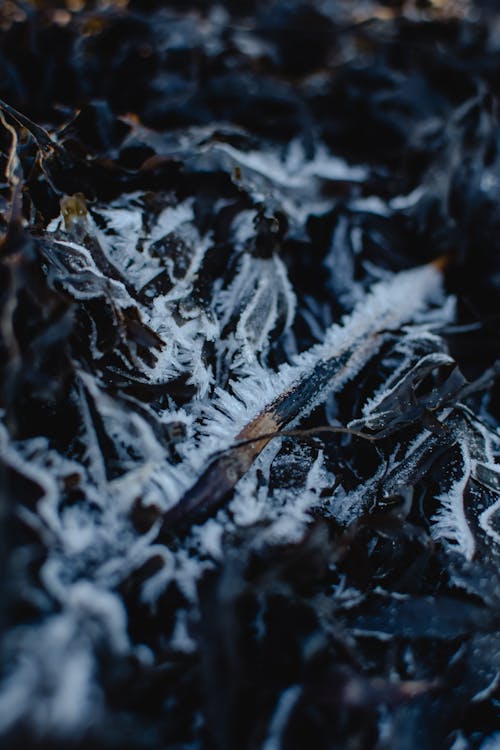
(249, 421)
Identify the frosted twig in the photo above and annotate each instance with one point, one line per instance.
(323, 369)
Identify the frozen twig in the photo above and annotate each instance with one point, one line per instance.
(315, 374)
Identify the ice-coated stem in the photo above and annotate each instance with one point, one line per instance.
(314, 374)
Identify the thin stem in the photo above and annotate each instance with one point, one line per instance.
(303, 433)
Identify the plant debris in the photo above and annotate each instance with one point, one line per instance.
(249, 354)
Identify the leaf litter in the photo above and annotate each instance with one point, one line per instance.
(249, 436)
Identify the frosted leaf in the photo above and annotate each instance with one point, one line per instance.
(450, 522)
(340, 264)
(294, 171)
(258, 300)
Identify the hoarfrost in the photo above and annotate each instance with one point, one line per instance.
(186, 337)
(450, 522)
